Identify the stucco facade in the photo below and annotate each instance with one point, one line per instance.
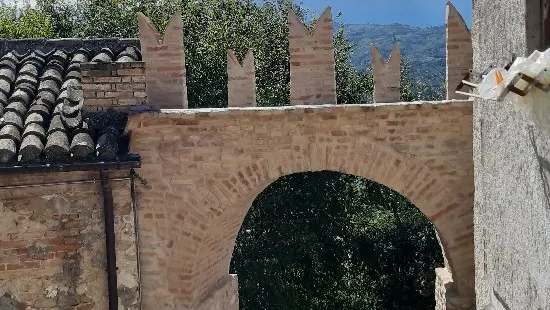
(511, 153)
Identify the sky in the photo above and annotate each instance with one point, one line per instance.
(422, 13)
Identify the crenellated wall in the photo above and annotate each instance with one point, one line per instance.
(203, 168)
(312, 65)
(165, 58)
(241, 80)
(386, 75)
(459, 53)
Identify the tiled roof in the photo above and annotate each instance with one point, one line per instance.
(41, 102)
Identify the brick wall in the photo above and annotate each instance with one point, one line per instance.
(386, 75)
(312, 65)
(241, 80)
(224, 297)
(458, 49)
(165, 58)
(445, 290)
(113, 85)
(52, 242)
(204, 168)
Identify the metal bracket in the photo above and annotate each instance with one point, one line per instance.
(531, 82)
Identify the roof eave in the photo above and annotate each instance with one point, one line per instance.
(128, 161)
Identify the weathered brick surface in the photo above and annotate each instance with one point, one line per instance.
(241, 80)
(386, 75)
(204, 168)
(312, 65)
(113, 85)
(445, 291)
(459, 51)
(165, 59)
(223, 297)
(52, 242)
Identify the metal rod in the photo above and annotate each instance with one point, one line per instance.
(468, 94)
(469, 84)
(110, 242)
(59, 183)
(136, 232)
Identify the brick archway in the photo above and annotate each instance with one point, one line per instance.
(205, 167)
(370, 160)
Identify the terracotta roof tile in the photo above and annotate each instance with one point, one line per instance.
(41, 100)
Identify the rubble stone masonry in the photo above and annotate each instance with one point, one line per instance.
(52, 242)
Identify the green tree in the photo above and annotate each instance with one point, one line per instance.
(326, 240)
(24, 22)
(419, 89)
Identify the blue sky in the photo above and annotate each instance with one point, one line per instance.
(421, 13)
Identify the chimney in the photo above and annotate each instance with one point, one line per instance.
(241, 80)
(312, 64)
(164, 59)
(113, 83)
(386, 75)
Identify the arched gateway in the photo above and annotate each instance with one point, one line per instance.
(204, 169)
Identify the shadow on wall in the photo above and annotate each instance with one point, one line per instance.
(544, 168)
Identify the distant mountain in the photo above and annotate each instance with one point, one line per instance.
(422, 48)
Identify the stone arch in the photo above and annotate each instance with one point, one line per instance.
(230, 198)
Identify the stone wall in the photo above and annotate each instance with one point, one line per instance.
(52, 242)
(445, 291)
(205, 167)
(116, 85)
(511, 156)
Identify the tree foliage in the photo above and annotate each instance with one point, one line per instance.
(326, 240)
(24, 22)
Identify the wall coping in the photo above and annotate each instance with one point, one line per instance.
(109, 65)
(140, 112)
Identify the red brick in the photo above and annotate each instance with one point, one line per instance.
(12, 244)
(23, 265)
